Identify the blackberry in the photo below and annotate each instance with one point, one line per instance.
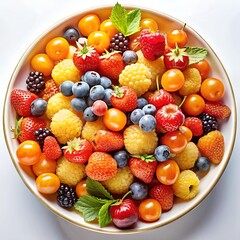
(40, 134)
(119, 43)
(66, 196)
(209, 123)
(35, 82)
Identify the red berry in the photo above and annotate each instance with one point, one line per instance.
(195, 125)
(99, 108)
(51, 148)
(217, 110)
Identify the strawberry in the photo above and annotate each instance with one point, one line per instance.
(211, 146)
(51, 148)
(86, 58)
(164, 194)
(101, 166)
(143, 167)
(152, 45)
(51, 88)
(107, 141)
(77, 150)
(195, 125)
(25, 128)
(160, 98)
(124, 98)
(217, 110)
(111, 65)
(21, 101)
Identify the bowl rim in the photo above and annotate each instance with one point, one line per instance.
(18, 168)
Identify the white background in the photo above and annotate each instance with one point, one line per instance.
(23, 217)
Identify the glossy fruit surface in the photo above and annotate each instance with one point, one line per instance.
(88, 24)
(81, 188)
(42, 63)
(203, 67)
(108, 27)
(47, 183)
(193, 105)
(176, 37)
(99, 40)
(149, 23)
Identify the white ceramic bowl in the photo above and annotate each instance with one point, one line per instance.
(165, 22)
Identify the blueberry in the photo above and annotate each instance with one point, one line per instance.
(141, 102)
(92, 78)
(147, 123)
(71, 35)
(136, 115)
(105, 82)
(78, 104)
(80, 89)
(162, 153)
(149, 109)
(97, 92)
(66, 88)
(139, 190)
(107, 96)
(88, 115)
(202, 164)
(121, 158)
(130, 57)
(38, 107)
(89, 102)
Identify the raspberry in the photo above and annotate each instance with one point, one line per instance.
(209, 123)
(35, 82)
(40, 134)
(195, 125)
(119, 43)
(139, 142)
(65, 70)
(121, 182)
(192, 82)
(136, 76)
(69, 173)
(187, 158)
(217, 110)
(51, 88)
(187, 185)
(66, 125)
(157, 68)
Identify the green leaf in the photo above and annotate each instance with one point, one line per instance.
(196, 54)
(104, 216)
(96, 189)
(133, 20)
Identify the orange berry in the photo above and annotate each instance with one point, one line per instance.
(81, 188)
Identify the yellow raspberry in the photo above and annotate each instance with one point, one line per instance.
(66, 125)
(187, 158)
(139, 142)
(136, 76)
(121, 182)
(192, 82)
(70, 173)
(156, 67)
(90, 129)
(65, 70)
(187, 185)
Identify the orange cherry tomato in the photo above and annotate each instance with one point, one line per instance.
(44, 166)
(81, 188)
(99, 40)
(172, 80)
(28, 152)
(149, 23)
(167, 172)
(150, 210)
(108, 27)
(114, 119)
(176, 36)
(193, 105)
(175, 140)
(187, 132)
(212, 89)
(203, 67)
(48, 183)
(88, 24)
(42, 63)
(57, 48)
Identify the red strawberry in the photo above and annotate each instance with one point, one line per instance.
(217, 110)
(111, 65)
(124, 98)
(51, 88)
(143, 167)
(164, 194)
(169, 117)
(86, 58)
(152, 44)
(107, 141)
(21, 101)
(160, 98)
(195, 125)
(51, 148)
(25, 128)
(78, 150)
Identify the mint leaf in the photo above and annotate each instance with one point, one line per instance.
(127, 23)
(104, 216)
(196, 54)
(96, 189)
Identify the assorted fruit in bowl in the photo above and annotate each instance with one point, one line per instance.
(118, 119)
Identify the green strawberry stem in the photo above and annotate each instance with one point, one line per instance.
(119, 201)
(145, 157)
(17, 130)
(184, 26)
(118, 92)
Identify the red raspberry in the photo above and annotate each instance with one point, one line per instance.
(217, 110)
(195, 125)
